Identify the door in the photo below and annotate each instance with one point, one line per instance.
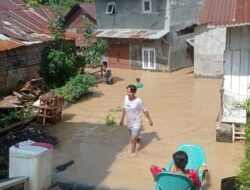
(118, 56)
(148, 58)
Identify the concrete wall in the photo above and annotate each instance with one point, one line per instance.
(161, 51)
(18, 65)
(209, 47)
(183, 13)
(236, 73)
(129, 15)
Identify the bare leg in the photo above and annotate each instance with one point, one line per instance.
(138, 141)
(133, 145)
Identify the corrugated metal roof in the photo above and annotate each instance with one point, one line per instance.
(78, 37)
(225, 13)
(130, 33)
(21, 25)
(89, 8)
(12, 4)
(7, 45)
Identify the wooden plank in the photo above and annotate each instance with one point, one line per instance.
(18, 125)
(18, 94)
(10, 102)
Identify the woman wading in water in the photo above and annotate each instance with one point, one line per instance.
(132, 109)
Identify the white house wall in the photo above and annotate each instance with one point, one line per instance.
(236, 73)
(209, 47)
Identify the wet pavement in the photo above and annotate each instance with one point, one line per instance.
(184, 109)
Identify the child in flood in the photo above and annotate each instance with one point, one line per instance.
(138, 83)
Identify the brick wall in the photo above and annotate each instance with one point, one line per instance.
(18, 65)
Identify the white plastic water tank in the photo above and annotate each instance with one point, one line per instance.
(34, 162)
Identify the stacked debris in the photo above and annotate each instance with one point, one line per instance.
(50, 108)
(30, 90)
(31, 131)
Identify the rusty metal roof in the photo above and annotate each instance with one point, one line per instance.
(7, 45)
(89, 8)
(22, 25)
(225, 13)
(131, 33)
(48, 13)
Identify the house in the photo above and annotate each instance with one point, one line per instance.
(144, 34)
(209, 44)
(74, 22)
(23, 35)
(235, 16)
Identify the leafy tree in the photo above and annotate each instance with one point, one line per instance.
(92, 49)
(59, 60)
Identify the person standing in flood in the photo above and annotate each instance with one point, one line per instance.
(107, 73)
(132, 109)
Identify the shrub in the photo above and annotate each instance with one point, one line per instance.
(18, 115)
(110, 120)
(243, 177)
(59, 59)
(76, 87)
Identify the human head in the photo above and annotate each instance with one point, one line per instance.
(131, 90)
(138, 79)
(180, 159)
(105, 64)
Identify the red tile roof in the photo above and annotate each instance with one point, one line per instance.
(225, 12)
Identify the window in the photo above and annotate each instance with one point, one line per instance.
(111, 9)
(146, 6)
(148, 58)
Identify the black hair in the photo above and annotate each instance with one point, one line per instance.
(180, 159)
(105, 63)
(138, 79)
(132, 88)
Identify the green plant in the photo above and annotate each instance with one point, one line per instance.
(116, 109)
(59, 59)
(18, 115)
(61, 3)
(110, 120)
(243, 177)
(92, 49)
(76, 87)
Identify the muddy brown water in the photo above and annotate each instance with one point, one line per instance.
(184, 109)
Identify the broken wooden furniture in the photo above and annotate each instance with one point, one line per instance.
(50, 108)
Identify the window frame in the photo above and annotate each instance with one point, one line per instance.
(150, 6)
(113, 8)
(143, 63)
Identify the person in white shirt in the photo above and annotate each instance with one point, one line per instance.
(132, 109)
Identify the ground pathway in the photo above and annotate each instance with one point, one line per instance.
(184, 109)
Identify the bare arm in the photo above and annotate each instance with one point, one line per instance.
(122, 118)
(148, 117)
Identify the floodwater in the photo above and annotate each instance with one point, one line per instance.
(184, 109)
